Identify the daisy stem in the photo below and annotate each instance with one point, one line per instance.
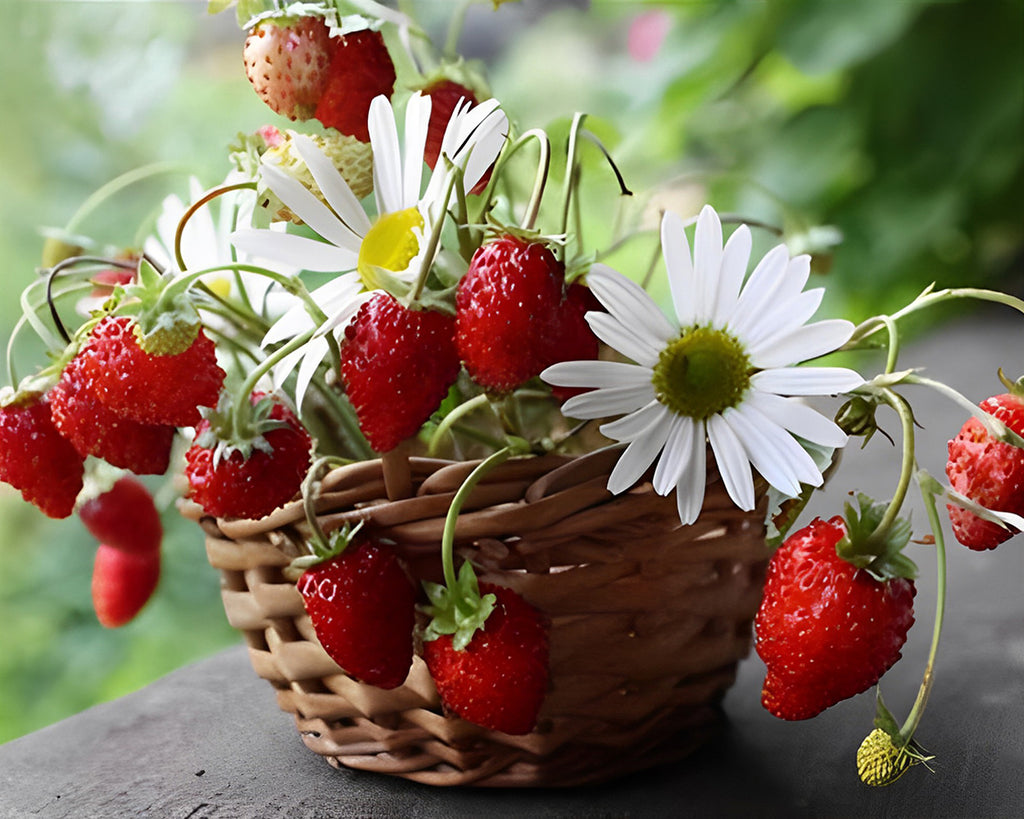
(917, 710)
(209, 196)
(892, 511)
(115, 186)
(452, 519)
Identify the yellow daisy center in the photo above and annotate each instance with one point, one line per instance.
(701, 373)
(390, 244)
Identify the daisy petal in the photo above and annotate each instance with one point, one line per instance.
(796, 417)
(633, 425)
(806, 380)
(304, 253)
(640, 454)
(707, 262)
(630, 303)
(315, 352)
(681, 279)
(332, 184)
(735, 258)
(789, 316)
(756, 298)
(606, 402)
(690, 489)
(732, 462)
(417, 116)
(623, 338)
(597, 374)
(387, 158)
(676, 456)
(308, 208)
(804, 343)
(772, 451)
(294, 322)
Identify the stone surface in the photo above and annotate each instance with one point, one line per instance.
(209, 741)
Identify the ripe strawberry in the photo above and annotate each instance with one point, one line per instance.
(989, 472)
(152, 388)
(444, 96)
(360, 69)
(573, 340)
(35, 458)
(122, 583)
(252, 481)
(97, 430)
(286, 60)
(507, 311)
(363, 608)
(124, 517)
(826, 630)
(397, 364)
(499, 680)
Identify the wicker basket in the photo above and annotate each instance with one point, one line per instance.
(648, 618)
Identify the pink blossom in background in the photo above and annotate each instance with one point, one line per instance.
(647, 33)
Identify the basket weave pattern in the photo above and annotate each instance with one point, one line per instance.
(648, 618)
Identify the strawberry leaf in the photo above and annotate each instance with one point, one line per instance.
(879, 553)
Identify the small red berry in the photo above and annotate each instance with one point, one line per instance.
(122, 583)
(360, 69)
(124, 517)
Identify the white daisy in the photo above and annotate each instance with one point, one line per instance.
(723, 371)
(363, 251)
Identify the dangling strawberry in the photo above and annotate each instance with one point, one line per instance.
(826, 629)
(988, 472)
(95, 429)
(362, 606)
(160, 381)
(35, 458)
(247, 467)
(286, 60)
(122, 583)
(397, 364)
(124, 517)
(492, 672)
(360, 69)
(507, 312)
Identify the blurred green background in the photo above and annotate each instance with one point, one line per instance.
(898, 124)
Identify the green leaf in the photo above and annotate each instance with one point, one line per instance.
(217, 6)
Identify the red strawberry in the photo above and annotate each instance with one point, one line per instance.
(124, 517)
(444, 96)
(158, 388)
(36, 459)
(988, 472)
(95, 429)
(360, 69)
(286, 61)
(826, 630)
(499, 680)
(397, 364)
(230, 482)
(363, 608)
(573, 340)
(122, 583)
(507, 311)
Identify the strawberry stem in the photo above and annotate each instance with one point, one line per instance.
(453, 417)
(906, 416)
(209, 196)
(452, 519)
(116, 185)
(435, 237)
(996, 428)
(917, 710)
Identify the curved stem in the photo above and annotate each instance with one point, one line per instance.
(453, 417)
(207, 197)
(917, 710)
(115, 186)
(265, 366)
(906, 468)
(540, 178)
(570, 173)
(452, 519)
(995, 427)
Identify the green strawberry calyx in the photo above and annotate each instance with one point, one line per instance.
(238, 426)
(458, 610)
(326, 547)
(876, 549)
